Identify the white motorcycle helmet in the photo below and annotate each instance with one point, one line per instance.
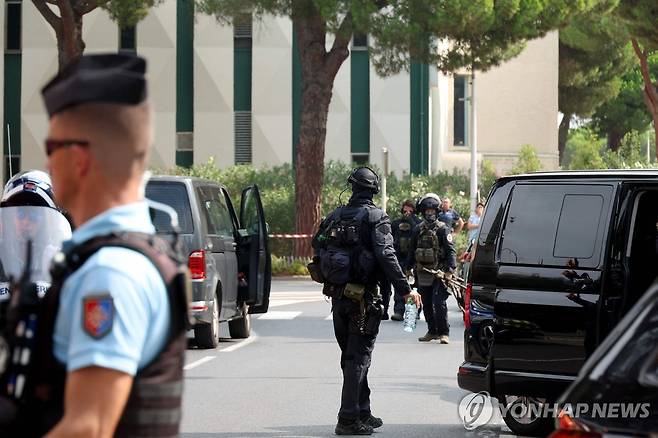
(29, 188)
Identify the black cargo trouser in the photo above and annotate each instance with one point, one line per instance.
(356, 352)
(386, 291)
(435, 308)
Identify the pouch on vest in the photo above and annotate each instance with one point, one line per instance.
(335, 265)
(426, 256)
(315, 272)
(354, 291)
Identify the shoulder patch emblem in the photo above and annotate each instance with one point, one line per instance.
(97, 315)
(449, 237)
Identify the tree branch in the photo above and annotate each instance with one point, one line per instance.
(48, 14)
(650, 93)
(86, 7)
(339, 51)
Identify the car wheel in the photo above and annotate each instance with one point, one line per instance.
(207, 335)
(521, 416)
(240, 328)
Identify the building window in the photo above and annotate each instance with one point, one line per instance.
(242, 71)
(461, 110)
(13, 27)
(360, 41)
(360, 158)
(243, 145)
(128, 39)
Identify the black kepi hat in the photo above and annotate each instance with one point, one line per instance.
(99, 78)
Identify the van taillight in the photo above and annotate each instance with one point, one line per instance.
(467, 305)
(197, 264)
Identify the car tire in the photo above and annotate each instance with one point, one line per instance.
(529, 425)
(206, 335)
(240, 328)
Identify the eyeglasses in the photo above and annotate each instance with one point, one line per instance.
(53, 145)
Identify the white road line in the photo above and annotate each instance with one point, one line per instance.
(199, 362)
(252, 338)
(279, 303)
(279, 315)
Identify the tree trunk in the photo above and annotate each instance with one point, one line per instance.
(563, 135)
(70, 45)
(650, 88)
(319, 69)
(614, 140)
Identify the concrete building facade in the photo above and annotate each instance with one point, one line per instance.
(233, 94)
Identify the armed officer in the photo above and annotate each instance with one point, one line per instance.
(401, 230)
(354, 246)
(111, 340)
(431, 248)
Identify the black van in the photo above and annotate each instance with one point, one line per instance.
(560, 258)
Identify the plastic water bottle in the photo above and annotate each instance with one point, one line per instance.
(410, 312)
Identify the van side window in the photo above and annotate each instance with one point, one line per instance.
(552, 224)
(578, 227)
(216, 211)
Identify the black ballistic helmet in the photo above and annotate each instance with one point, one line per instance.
(364, 178)
(430, 200)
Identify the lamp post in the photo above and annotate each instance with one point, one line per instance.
(474, 147)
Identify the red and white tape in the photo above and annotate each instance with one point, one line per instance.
(290, 236)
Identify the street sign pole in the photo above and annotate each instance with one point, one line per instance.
(384, 176)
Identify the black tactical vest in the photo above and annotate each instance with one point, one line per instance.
(154, 405)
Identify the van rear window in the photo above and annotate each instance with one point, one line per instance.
(174, 195)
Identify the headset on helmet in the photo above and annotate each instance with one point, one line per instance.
(29, 188)
(364, 177)
(430, 200)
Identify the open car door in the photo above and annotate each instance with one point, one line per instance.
(254, 254)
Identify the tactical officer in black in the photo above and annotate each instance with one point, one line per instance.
(401, 230)
(432, 249)
(353, 247)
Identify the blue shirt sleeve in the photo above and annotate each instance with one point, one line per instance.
(121, 348)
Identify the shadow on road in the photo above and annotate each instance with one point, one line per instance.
(389, 430)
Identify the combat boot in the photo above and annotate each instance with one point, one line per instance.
(372, 421)
(397, 317)
(354, 428)
(428, 337)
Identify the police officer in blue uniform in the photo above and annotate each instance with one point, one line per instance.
(354, 247)
(111, 342)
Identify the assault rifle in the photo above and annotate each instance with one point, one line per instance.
(455, 285)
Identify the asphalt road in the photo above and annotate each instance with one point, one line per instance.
(285, 381)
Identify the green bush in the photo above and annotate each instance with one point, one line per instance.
(585, 150)
(277, 187)
(284, 266)
(527, 162)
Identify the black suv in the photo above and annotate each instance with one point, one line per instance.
(229, 259)
(560, 258)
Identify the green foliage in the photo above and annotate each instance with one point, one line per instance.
(277, 190)
(527, 162)
(627, 111)
(583, 150)
(594, 53)
(641, 16)
(587, 151)
(285, 266)
(483, 33)
(128, 12)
